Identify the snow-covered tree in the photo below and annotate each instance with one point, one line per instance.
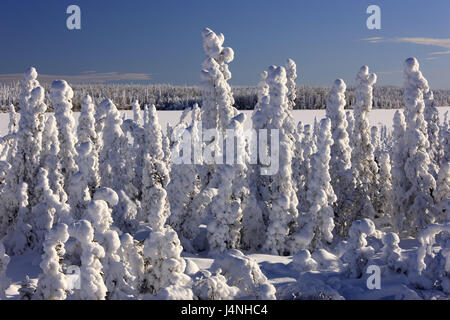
(398, 170)
(52, 283)
(86, 122)
(217, 97)
(164, 266)
(131, 255)
(419, 182)
(61, 95)
(4, 281)
(137, 115)
(27, 289)
(45, 212)
(375, 139)
(303, 262)
(340, 162)
(184, 183)
(10, 147)
(365, 169)
(26, 161)
(279, 194)
(50, 160)
(79, 182)
(316, 225)
(209, 286)
(20, 236)
(391, 252)
(92, 286)
(224, 229)
(243, 272)
(308, 147)
(155, 206)
(86, 134)
(357, 253)
(385, 196)
(114, 169)
(114, 270)
(236, 217)
(431, 116)
(291, 75)
(442, 194)
(350, 127)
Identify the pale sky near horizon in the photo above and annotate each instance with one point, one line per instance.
(160, 41)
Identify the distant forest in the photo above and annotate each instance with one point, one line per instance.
(169, 97)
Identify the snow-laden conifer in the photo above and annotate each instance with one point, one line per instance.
(419, 182)
(340, 162)
(61, 95)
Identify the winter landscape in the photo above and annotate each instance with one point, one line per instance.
(211, 202)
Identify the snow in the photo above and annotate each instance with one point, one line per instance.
(377, 117)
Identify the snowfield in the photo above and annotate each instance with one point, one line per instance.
(214, 204)
(377, 117)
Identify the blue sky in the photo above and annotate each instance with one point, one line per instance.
(160, 40)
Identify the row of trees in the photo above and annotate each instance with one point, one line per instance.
(170, 97)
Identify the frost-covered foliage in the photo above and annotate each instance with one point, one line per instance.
(350, 127)
(52, 284)
(291, 75)
(384, 194)
(278, 193)
(21, 237)
(4, 281)
(308, 147)
(131, 255)
(88, 136)
(61, 95)
(137, 114)
(27, 289)
(398, 172)
(49, 211)
(431, 117)
(317, 224)
(50, 160)
(217, 97)
(155, 176)
(208, 286)
(116, 275)
(357, 253)
(236, 216)
(114, 169)
(224, 229)
(432, 267)
(303, 262)
(244, 273)
(92, 285)
(392, 254)
(340, 161)
(164, 266)
(26, 161)
(419, 183)
(155, 206)
(442, 194)
(364, 166)
(184, 183)
(79, 193)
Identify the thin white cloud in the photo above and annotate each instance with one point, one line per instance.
(87, 76)
(432, 42)
(374, 39)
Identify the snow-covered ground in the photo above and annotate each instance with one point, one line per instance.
(377, 117)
